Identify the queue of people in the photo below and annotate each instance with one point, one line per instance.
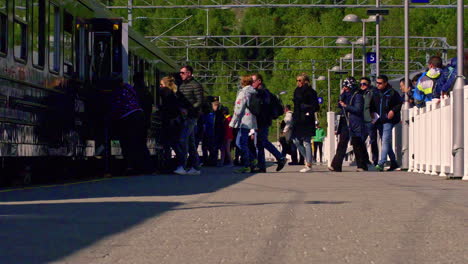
(246, 130)
(367, 113)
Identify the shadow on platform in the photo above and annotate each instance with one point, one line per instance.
(42, 233)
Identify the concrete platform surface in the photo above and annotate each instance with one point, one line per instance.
(222, 217)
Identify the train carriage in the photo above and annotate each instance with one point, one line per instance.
(54, 59)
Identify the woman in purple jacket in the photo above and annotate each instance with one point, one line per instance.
(129, 119)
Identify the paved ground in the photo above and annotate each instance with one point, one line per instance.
(221, 217)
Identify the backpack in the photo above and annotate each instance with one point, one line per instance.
(255, 104)
(447, 78)
(276, 106)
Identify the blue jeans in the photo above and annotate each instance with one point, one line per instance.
(386, 131)
(304, 146)
(246, 156)
(262, 144)
(187, 145)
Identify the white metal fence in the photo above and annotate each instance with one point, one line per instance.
(430, 137)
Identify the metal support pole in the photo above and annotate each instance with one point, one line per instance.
(129, 9)
(377, 40)
(352, 59)
(207, 23)
(330, 137)
(458, 115)
(363, 49)
(314, 82)
(329, 92)
(405, 111)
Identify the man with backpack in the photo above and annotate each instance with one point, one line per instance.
(268, 105)
(428, 85)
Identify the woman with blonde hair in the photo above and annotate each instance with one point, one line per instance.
(170, 114)
(305, 105)
(244, 120)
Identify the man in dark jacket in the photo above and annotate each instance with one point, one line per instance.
(370, 129)
(351, 126)
(264, 123)
(386, 103)
(193, 92)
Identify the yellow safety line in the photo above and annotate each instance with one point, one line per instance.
(59, 185)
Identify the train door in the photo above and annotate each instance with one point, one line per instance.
(108, 41)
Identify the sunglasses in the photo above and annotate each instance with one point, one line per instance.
(364, 84)
(378, 83)
(298, 80)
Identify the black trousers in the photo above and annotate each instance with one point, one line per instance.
(132, 131)
(359, 151)
(318, 146)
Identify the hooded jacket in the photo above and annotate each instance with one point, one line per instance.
(242, 117)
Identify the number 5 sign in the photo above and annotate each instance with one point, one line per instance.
(371, 57)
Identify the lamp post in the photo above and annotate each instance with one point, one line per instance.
(314, 81)
(355, 18)
(359, 41)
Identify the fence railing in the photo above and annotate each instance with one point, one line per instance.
(430, 137)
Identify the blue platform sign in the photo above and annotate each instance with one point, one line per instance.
(420, 1)
(320, 100)
(371, 57)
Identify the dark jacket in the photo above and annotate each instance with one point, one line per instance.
(124, 101)
(367, 97)
(193, 92)
(305, 105)
(354, 113)
(145, 99)
(385, 100)
(264, 119)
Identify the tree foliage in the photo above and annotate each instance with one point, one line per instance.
(290, 22)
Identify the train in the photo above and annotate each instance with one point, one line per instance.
(55, 56)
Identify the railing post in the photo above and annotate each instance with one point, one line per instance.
(411, 140)
(330, 137)
(428, 134)
(417, 146)
(436, 136)
(465, 96)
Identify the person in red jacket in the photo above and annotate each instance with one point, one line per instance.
(226, 157)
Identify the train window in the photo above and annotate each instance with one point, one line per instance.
(20, 30)
(38, 32)
(3, 27)
(68, 43)
(21, 9)
(54, 38)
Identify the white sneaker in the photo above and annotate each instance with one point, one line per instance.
(306, 169)
(193, 171)
(180, 170)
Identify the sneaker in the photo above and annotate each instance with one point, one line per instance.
(254, 163)
(193, 171)
(306, 169)
(243, 170)
(393, 166)
(180, 170)
(281, 164)
(379, 167)
(259, 170)
(333, 169)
